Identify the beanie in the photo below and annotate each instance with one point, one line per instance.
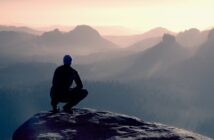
(67, 60)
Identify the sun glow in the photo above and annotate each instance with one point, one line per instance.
(137, 14)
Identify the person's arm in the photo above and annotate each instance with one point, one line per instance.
(78, 81)
(55, 78)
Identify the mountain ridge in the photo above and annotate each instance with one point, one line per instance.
(129, 40)
(81, 35)
(20, 29)
(186, 37)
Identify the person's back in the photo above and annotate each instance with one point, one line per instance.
(61, 91)
(64, 77)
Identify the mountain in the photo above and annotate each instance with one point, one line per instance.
(103, 30)
(142, 64)
(90, 124)
(193, 80)
(155, 59)
(200, 67)
(157, 32)
(50, 38)
(126, 41)
(85, 35)
(186, 38)
(83, 40)
(81, 37)
(20, 29)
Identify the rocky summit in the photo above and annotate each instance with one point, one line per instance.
(89, 124)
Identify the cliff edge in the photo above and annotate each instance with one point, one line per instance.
(88, 124)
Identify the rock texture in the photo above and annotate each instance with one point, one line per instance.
(88, 124)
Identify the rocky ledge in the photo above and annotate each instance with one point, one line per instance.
(88, 124)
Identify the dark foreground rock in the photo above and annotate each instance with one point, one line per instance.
(88, 124)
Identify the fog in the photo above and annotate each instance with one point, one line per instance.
(169, 82)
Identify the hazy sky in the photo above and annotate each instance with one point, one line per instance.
(142, 15)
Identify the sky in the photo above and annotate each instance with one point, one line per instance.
(142, 15)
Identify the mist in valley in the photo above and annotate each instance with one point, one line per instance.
(159, 76)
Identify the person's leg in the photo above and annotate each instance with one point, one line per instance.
(54, 104)
(75, 97)
(54, 101)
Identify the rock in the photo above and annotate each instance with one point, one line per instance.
(88, 124)
(168, 39)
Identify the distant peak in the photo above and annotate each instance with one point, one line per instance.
(53, 32)
(56, 30)
(167, 38)
(157, 32)
(161, 30)
(194, 30)
(83, 27)
(191, 31)
(85, 30)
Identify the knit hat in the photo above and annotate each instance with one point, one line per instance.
(67, 60)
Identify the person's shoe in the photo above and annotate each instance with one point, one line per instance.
(67, 110)
(55, 110)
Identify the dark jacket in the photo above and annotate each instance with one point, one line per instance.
(63, 79)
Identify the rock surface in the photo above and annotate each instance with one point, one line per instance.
(88, 124)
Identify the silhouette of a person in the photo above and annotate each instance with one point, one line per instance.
(62, 80)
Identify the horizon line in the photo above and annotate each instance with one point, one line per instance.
(128, 30)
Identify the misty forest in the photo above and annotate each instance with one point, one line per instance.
(159, 75)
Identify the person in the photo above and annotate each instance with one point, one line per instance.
(62, 80)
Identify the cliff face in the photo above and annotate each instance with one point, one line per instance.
(87, 124)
